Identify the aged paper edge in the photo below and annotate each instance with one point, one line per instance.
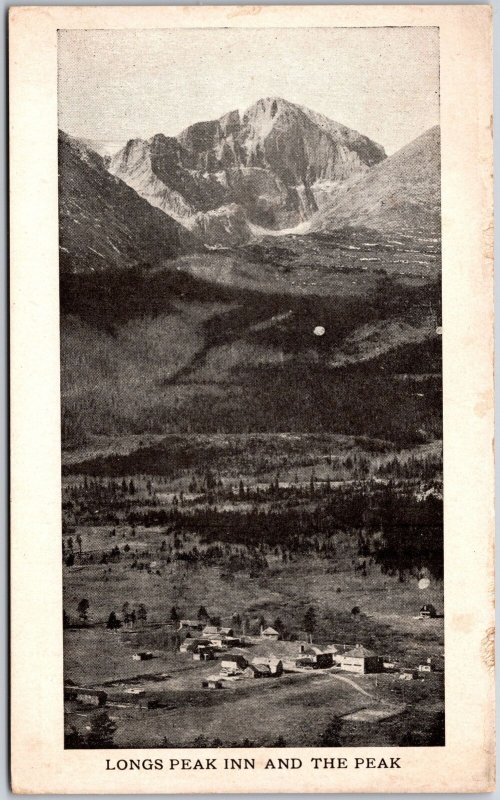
(39, 763)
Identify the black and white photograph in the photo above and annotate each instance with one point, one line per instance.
(251, 387)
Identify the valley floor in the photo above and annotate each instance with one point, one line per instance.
(251, 528)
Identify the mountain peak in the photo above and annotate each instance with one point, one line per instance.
(274, 103)
(269, 160)
(271, 108)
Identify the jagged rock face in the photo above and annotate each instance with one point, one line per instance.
(296, 144)
(302, 147)
(103, 223)
(269, 162)
(400, 194)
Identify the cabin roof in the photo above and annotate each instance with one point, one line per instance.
(261, 669)
(360, 652)
(312, 650)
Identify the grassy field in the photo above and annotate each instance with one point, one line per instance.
(282, 590)
(151, 570)
(297, 708)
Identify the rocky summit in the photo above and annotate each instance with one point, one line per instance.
(271, 167)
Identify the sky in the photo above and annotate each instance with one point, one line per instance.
(115, 85)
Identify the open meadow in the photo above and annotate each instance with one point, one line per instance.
(301, 533)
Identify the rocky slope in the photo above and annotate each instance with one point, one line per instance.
(401, 194)
(265, 168)
(103, 223)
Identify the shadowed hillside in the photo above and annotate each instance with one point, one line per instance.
(186, 355)
(103, 224)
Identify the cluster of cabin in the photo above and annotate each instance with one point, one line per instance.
(356, 660)
(281, 657)
(203, 641)
(307, 657)
(233, 656)
(211, 643)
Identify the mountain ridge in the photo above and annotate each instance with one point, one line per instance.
(402, 193)
(258, 167)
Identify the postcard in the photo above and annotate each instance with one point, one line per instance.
(252, 399)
